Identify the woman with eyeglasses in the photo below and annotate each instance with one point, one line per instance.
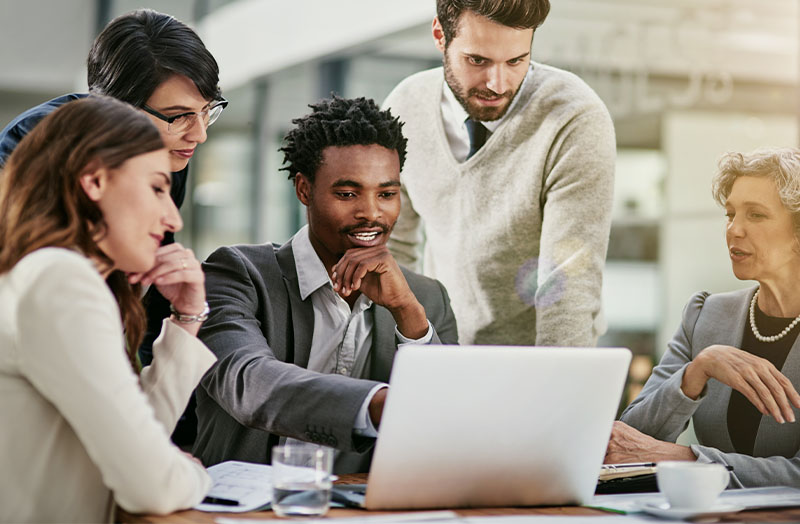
(85, 205)
(159, 65)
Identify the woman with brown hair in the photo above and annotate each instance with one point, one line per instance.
(84, 205)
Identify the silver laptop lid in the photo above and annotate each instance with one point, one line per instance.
(495, 426)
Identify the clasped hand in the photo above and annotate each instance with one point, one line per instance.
(179, 278)
(374, 272)
(754, 377)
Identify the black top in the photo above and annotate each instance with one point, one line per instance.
(743, 417)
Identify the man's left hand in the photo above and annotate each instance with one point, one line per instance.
(374, 272)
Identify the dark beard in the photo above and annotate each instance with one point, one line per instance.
(476, 112)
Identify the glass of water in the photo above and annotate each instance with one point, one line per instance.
(301, 480)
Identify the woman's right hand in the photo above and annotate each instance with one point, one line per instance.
(179, 278)
(754, 377)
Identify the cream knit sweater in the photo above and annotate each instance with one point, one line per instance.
(517, 233)
(79, 427)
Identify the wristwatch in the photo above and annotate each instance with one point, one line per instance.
(191, 319)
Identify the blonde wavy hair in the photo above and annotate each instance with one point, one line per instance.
(782, 165)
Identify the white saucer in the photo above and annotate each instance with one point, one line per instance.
(663, 510)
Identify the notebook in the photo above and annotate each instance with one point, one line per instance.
(627, 478)
(477, 426)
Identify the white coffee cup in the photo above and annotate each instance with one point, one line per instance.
(691, 485)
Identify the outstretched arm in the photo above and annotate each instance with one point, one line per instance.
(407, 240)
(662, 410)
(576, 205)
(256, 381)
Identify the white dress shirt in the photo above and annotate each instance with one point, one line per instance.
(342, 337)
(454, 117)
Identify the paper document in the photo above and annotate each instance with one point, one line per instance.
(452, 518)
(557, 519)
(419, 516)
(616, 471)
(750, 498)
(246, 483)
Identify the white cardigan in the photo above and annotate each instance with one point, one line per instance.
(77, 425)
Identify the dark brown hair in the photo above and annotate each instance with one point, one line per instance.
(43, 203)
(519, 14)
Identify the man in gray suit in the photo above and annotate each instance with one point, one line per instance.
(306, 332)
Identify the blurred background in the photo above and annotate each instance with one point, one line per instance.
(684, 80)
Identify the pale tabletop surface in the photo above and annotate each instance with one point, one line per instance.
(193, 516)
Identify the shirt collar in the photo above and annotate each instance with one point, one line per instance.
(311, 272)
(453, 111)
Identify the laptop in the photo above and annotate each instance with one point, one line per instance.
(479, 426)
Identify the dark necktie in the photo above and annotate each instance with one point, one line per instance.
(477, 136)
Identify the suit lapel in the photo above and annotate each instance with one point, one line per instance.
(723, 324)
(302, 313)
(781, 439)
(383, 344)
(791, 368)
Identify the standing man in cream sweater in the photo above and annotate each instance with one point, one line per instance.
(508, 183)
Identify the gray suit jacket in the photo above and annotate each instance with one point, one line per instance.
(260, 331)
(663, 411)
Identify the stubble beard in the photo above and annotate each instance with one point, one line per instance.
(476, 111)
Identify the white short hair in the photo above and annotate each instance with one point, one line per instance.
(782, 165)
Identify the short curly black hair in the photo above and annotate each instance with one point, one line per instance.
(339, 122)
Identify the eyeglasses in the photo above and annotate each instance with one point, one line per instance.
(181, 123)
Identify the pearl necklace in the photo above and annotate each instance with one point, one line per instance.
(758, 335)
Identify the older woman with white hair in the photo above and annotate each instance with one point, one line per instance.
(746, 341)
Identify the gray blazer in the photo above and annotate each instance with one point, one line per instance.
(260, 389)
(663, 411)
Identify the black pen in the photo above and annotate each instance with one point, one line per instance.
(220, 501)
(644, 465)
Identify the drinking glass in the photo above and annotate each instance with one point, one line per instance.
(301, 480)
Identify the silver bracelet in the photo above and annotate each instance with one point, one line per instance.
(191, 319)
